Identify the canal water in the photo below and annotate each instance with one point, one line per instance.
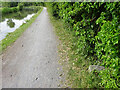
(9, 23)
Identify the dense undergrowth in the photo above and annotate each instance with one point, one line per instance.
(12, 7)
(96, 28)
(7, 10)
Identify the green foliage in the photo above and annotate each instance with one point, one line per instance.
(20, 6)
(11, 7)
(34, 8)
(10, 23)
(9, 4)
(15, 9)
(21, 14)
(107, 50)
(15, 4)
(7, 10)
(97, 27)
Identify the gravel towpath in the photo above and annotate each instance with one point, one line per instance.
(32, 61)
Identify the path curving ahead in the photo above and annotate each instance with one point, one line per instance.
(32, 61)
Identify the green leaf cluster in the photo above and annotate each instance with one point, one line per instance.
(97, 27)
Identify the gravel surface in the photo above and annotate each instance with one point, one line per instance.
(32, 61)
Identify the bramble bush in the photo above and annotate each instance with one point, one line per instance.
(97, 25)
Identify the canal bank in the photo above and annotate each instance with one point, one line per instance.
(11, 37)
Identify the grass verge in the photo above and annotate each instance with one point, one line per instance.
(12, 37)
(75, 65)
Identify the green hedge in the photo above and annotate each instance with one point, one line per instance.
(97, 25)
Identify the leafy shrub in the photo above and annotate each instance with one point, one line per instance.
(10, 23)
(6, 10)
(15, 9)
(20, 6)
(97, 25)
